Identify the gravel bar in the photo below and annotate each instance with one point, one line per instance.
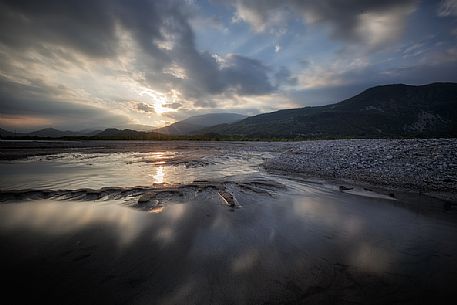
(419, 165)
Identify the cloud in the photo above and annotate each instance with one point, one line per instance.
(173, 105)
(372, 22)
(167, 55)
(119, 62)
(284, 77)
(22, 122)
(330, 84)
(245, 76)
(117, 50)
(144, 107)
(196, 75)
(23, 104)
(85, 26)
(447, 8)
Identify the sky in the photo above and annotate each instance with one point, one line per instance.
(80, 65)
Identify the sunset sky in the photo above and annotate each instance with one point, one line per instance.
(112, 63)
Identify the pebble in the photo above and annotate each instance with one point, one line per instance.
(424, 165)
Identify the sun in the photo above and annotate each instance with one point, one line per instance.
(158, 100)
(158, 107)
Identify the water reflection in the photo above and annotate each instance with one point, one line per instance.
(354, 249)
(159, 175)
(97, 170)
(56, 219)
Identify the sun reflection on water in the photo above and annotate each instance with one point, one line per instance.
(159, 175)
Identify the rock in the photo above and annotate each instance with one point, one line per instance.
(227, 198)
(147, 197)
(345, 188)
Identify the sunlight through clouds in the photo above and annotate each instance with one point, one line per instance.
(146, 65)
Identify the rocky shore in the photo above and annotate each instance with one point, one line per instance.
(420, 165)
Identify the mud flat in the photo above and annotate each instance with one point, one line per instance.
(419, 165)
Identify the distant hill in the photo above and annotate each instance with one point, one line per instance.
(49, 133)
(194, 124)
(382, 111)
(53, 133)
(114, 132)
(6, 133)
(128, 134)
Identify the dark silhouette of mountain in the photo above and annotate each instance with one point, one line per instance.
(129, 134)
(382, 111)
(52, 133)
(49, 133)
(6, 133)
(89, 132)
(193, 124)
(114, 132)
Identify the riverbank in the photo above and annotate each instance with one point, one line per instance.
(427, 166)
(421, 166)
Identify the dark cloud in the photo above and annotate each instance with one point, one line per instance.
(210, 75)
(90, 27)
(344, 17)
(284, 77)
(246, 75)
(173, 105)
(144, 107)
(234, 73)
(87, 26)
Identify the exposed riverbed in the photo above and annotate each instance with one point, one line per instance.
(210, 223)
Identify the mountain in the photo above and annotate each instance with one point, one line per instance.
(114, 132)
(6, 133)
(193, 124)
(49, 133)
(129, 134)
(89, 132)
(382, 111)
(52, 133)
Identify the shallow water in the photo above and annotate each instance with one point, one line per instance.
(96, 170)
(304, 243)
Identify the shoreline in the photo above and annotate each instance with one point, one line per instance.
(421, 166)
(424, 167)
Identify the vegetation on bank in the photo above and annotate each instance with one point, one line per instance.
(208, 137)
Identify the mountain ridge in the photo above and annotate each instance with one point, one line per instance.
(387, 111)
(49, 133)
(383, 111)
(193, 124)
